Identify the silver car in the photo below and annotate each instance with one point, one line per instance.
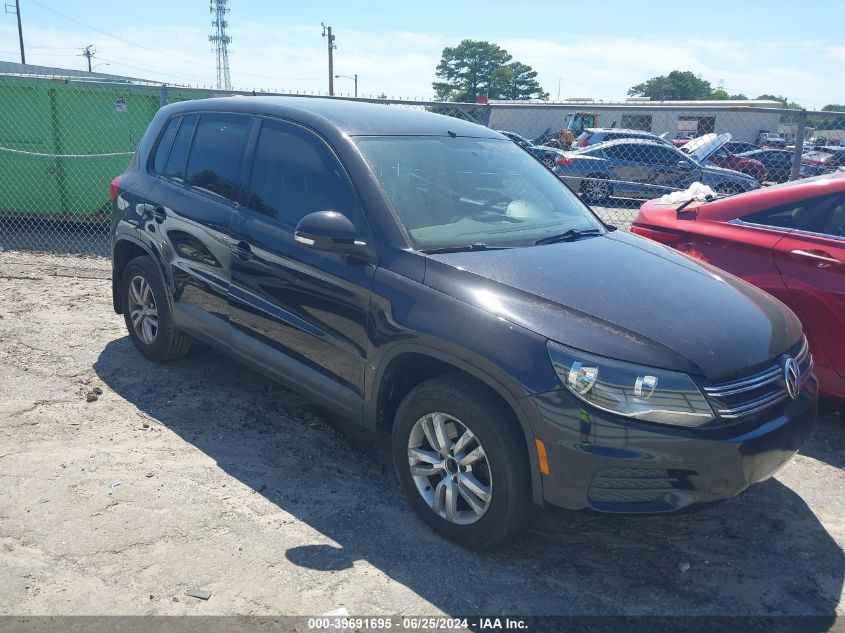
(643, 169)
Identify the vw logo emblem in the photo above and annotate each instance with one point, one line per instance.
(792, 377)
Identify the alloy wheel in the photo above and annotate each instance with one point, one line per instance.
(595, 190)
(143, 310)
(450, 468)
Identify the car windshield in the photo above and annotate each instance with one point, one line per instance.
(458, 191)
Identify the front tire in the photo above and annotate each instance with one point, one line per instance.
(148, 313)
(462, 462)
(728, 189)
(595, 190)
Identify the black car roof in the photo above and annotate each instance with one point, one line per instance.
(329, 116)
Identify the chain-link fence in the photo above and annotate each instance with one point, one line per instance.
(62, 140)
(618, 155)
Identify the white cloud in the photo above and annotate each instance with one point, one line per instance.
(402, 63)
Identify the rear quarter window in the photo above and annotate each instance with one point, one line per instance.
(175, 165)
(162, 150)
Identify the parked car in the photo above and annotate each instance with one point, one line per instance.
(739, 147)
(643, 169)
(770, 139)
(547, 155)
(596, 135)
(828, 158)
(778, 163)
(721, 157)
(726, 156)
(744, 164)
(395, 266)
(787, 239)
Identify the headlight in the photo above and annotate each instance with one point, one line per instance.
(633, 391)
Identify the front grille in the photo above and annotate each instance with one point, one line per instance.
(754, 394)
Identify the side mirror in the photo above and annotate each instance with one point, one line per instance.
(328, 231)
(684, 165)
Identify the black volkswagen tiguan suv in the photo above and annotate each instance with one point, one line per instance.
(424, 276)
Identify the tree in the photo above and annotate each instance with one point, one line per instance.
(831, 123)
(476, 68)
(723, 95)
(676, 86)
(791, 105)
(516, 81)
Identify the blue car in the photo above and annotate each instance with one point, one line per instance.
(546, 155)
(643, 169)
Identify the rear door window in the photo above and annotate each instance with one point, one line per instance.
(215, 158)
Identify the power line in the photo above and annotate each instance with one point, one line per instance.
(160, 72)
(125, 41)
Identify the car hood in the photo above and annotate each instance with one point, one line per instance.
(726, 172)
(702, 147)
(624, 297)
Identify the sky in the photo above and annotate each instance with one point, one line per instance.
(595, 49)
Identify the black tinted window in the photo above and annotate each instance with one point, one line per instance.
(294, 173)
(179, 152)
(163, 148)
(830, 220)
(216, 153)
(621, 152)
(834, 223)
(662, 155)
(804, 215)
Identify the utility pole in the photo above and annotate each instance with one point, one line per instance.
(221, 42)
(327, 33)
(89, 52)
(17, 10)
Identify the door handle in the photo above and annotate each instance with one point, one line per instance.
(821, 259)
(243, 251)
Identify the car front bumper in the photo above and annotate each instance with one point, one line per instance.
(612, 464)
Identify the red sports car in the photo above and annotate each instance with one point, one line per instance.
(787, 239)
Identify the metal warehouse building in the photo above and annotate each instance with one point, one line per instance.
(743, 119)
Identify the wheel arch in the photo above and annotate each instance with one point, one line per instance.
(407, 367)
(126, 249)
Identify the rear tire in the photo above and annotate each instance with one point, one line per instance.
(478, 492)
(148, 312)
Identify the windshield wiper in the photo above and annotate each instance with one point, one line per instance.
(476, 246)
(570, 236)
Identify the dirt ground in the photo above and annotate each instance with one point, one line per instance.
(126, 484)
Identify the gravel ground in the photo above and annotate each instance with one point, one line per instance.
(128, 483)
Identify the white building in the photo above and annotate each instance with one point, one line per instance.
(743, 119)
